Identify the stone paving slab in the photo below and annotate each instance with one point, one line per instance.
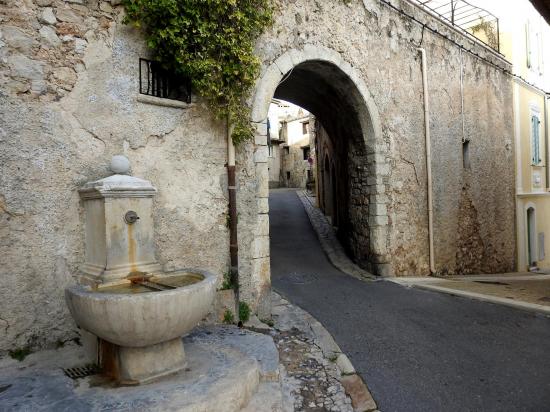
(219, 377)
(319, 376)
(254, 345)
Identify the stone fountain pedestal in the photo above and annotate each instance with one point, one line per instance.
(138, 312)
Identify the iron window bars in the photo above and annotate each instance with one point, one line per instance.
(472, 20)
(154, 80)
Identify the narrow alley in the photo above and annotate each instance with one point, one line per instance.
(416, 350)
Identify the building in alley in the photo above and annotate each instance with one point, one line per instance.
(525, 40)
(291, 138)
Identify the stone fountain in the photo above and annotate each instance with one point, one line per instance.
(138, 312)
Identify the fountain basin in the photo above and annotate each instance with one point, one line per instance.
(132, 315)
(140, 320)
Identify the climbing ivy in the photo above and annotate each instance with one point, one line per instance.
(212, 42)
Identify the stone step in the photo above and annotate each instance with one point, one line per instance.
(225, 368)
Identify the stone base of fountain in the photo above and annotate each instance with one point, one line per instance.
(227, 368)
(134, 366)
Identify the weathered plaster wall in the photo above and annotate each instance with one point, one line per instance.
(68, 103)
(68, 88)
(378, 46)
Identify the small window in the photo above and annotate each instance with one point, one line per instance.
(305, 127)
(157, 81)
(287, 150)
(535, 140)
(306, 152)
(287, 175)
(466, 154)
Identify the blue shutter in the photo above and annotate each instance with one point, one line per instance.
(535, 133)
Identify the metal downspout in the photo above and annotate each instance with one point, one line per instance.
(428, 158)
(232, 191)
(546, 129)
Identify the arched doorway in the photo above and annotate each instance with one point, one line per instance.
(319, 80)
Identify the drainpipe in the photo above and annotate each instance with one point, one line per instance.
(428, 158)
(232, 190)
(546, 130)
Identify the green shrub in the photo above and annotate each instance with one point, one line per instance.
(211, 42)
(244, 312)
(20, 353)
(228, 317)
(227, 281)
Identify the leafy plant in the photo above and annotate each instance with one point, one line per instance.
(268, 322)
(227, 281)
(228, 317)
(20, 353)
(244, 312)
(211, 42)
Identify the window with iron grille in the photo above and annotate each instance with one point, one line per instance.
(155, 80)
(535, 140)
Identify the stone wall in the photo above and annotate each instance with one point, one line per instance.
(69, 89)
(374, 44)
(69, 101)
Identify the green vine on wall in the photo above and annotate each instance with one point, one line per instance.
(212, 42)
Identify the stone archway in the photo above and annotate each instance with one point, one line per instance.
(290, 78)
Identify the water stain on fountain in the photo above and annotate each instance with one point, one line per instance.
(138, 312)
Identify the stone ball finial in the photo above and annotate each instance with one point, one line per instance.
(120, 164)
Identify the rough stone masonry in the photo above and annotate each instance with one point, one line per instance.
(69, 101)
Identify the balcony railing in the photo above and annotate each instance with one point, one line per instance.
(472, 20)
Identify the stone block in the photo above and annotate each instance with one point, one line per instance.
(260, 140)
(263, 181)
(261, 154)
(47, 16)
(261, 128)
(67, 15)
(17, 38)
(378, 220)
(261, 272)
(361, 398)
(384, 269)
(344, 364)
(106, 7)
(284, 63)
(262, 225)
(263, 205)
(264, 93)
(378, 240)
(378, 209)
(50, 36)
(297, 56)
(22, 66)
(260, 247)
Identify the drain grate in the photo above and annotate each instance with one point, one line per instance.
(82, 371)
(545, 299)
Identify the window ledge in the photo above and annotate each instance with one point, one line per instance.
(159, 101)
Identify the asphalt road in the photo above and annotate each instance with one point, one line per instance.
(417, 350)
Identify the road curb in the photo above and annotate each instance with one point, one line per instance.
(530, 307)
(354, 385)
(329, 243)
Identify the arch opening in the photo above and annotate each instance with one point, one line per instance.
(343, 134)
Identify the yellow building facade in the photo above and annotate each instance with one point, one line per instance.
(525, 41)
